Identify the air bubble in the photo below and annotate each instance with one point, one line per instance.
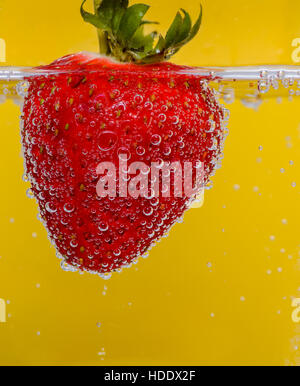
(138, 98)
(140, 151)
(149, 105)
(124, 154)
(167, 150)
(175, 120)
(155, 139)
(263, 86)
(103, 227)
(73, 243)
(105, 276)
(67, 267)
(162, 118)
(107, 140)
(41, 196)
(22, 88)
(25, 178)
(69, 208)
(148, 211)
(50, 208)
(29, 193)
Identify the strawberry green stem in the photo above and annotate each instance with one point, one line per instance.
(121, 31)
(102, 35)
(103, 46)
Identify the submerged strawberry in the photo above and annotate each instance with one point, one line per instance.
(88, 111)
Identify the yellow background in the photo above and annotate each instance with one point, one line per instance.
(173, 308)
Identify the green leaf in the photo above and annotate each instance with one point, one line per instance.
(185, 27)
(106, 9)
(95, 20)
(131, 21)
(191, 35)
(142, 42)
(121, 31)
(118, 14)
(160, 45)
(117, 19)
(173, 31)
(112, 11)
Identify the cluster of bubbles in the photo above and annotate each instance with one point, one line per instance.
(263, 84)
(108, 142)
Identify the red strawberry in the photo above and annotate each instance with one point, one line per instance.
(91, 109)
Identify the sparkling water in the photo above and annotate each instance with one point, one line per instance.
(250, 84)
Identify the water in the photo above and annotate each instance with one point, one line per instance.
(249, 84)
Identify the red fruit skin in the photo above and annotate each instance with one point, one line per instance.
(64, 117)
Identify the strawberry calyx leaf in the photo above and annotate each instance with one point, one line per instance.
(122, 36)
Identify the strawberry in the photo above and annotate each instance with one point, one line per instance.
(84, 110)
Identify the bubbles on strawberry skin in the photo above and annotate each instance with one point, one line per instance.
(74, 122)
